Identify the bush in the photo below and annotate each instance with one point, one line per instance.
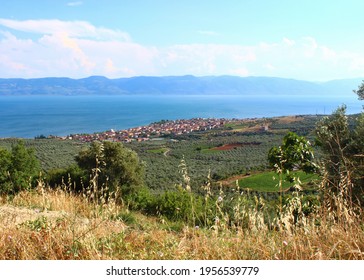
(174, 205)
(71, 176)
(143, 201)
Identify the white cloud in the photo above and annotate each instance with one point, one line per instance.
(357, 63)
(110, 66)
(269, 66)
(242, 72)
(328, 53)
(78, 29)
(69, 47)
(289, 42)
(79, 49)
(310, 46)
(206, 59)
(76, 3)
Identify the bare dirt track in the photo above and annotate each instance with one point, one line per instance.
(231, 180)
(11, 215)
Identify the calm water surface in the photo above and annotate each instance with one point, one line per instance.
(29, 116)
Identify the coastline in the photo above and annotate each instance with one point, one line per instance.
(174, 128)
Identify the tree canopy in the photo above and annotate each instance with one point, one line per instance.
(18, 168)
(343, 148)
(114, 165)
(295, 152)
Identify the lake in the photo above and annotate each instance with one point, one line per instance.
(29, 116)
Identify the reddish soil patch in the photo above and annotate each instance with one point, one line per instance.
(234, 145)
(227, 147)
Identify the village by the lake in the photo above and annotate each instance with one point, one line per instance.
(152, 131)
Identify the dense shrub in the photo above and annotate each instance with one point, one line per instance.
(72, 177)
(175, 205)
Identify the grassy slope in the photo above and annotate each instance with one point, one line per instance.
(56, 225)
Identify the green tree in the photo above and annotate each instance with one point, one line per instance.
(360, 91)
(25, 166)
(343, 150)
(295, 153)
(113, 164)
(334, 137)
(358, 147)
(5, 163)
(18, 168)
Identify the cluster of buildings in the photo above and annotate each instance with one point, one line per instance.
(154, 130)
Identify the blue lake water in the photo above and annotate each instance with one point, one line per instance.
(29, 116)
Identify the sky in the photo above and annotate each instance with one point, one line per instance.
(315, 40)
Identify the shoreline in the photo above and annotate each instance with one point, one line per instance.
(178, 127)
(168, 128)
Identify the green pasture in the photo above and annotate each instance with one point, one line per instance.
(235, 126)
(158, 151)
(269, 181)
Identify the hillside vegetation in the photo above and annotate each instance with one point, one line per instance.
(201, 151)
(55, 224)
(98, 204)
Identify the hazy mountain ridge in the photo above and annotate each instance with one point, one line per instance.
(225, 85)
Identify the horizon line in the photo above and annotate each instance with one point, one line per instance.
(186, 75)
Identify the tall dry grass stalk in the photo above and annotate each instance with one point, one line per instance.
(60, 224)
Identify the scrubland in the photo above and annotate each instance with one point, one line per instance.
(58, 224)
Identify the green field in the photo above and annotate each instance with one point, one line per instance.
(269, 181)
(235, 126)
(158, 151)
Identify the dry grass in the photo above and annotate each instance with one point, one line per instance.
(54, 224)
(289, 119)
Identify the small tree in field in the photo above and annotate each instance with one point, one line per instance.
(295, 153)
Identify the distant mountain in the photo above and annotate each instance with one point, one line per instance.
(224, 85)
